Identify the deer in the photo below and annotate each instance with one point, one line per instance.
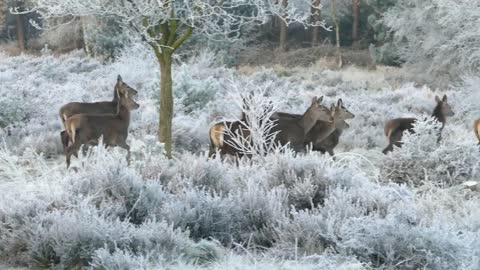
(86, 129)
(476, 129)
(395, 128)
(104, 107)
(294, 130)
(218, 135)
(286, 128)
(324, 136)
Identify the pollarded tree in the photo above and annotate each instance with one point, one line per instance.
(166, 24)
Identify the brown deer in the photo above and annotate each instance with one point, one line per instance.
(287, 129)
(218, 135)
(86, 129)
(476, 129)
(104, 107)
(332, 130)
(325, 136)
(295, 130)
(394, 128)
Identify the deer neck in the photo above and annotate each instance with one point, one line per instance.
(438, 114)
(328, 129)
(124, 114)
(307, 121)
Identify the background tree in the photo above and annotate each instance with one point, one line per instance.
(437, 39)
(316, 15)
(166, 25)
(20, 18)
(3, 15)
(355, 19)
(337, 32)
(283, 27)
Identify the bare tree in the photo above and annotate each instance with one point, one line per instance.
(3, 14)
(283, 28)
(166, 25)
(20, 17)
(337, 32)
(316, 15)
(355, 16)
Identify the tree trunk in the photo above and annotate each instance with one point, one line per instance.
(283, 29)
(355, 11)
(3, 15)
(21, 28)
(337, 33)
(166, 102)
(315, 19)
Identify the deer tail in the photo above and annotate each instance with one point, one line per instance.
(216, 137)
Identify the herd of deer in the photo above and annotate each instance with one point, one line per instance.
(320, 127)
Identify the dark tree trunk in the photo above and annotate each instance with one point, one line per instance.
(283, 29)
(21, 28)
(355, 11)
(316, 15)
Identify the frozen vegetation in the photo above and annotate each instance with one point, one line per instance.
(361, 210)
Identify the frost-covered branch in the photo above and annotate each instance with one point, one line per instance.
(257, 139)
(210, 18)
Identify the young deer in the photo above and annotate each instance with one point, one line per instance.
(88, 128)
(332, 130)
(340, 114)
(394, 128)
(476, 129)
(294, 130)
(104, 107)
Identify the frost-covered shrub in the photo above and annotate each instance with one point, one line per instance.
(279, 211)
(119, 259)
(433, 37)
(13, 110)
(421, 159)
(398, 242)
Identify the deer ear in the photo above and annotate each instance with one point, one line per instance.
(339, 102)
(437, 99)
(444, 99)
(119, 78)
(320, 99)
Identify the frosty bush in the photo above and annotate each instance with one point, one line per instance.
(422, 160)
(433, 37)
(279, 211)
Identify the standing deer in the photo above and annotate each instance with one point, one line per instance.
(394, 128)
(476, 129)
(324, 136)
(104, 107)
(88, 128)
(288, 128)
(294, 130)
(218, 135)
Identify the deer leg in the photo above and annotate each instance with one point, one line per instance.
(395, 139)
(65, 140)
(212, 151)
(330, 152)
(125, 146)
(71, 150)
